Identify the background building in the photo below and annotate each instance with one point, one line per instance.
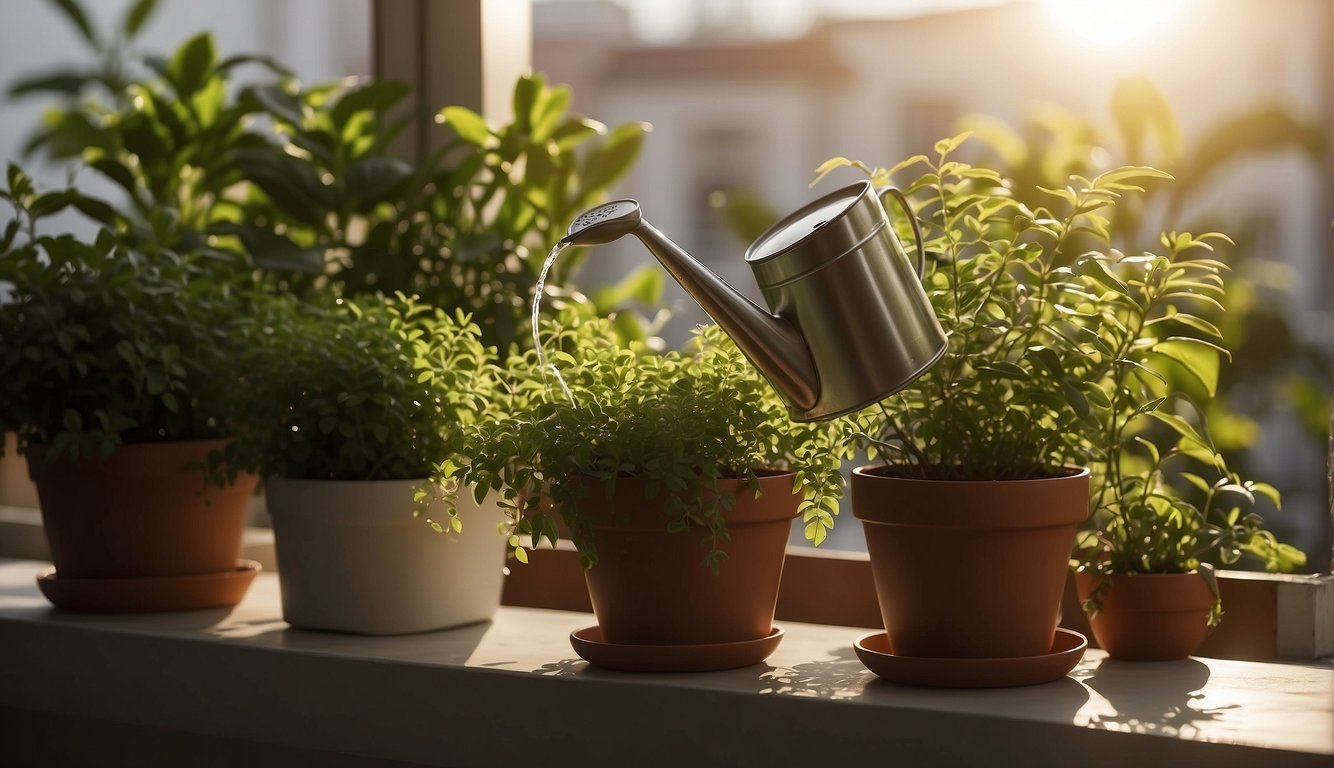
(752, 95)
(733, 109)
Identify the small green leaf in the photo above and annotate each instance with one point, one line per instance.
(66, 82)
(1075, 397)
(1197, 358)
(191, 64)
(947, 146)
(74, 13)
(137, 15)
(469, 125)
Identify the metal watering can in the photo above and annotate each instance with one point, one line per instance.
(850, 322)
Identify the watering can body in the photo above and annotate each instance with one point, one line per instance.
(848, 322)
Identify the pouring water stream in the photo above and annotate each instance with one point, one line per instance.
(537, 303)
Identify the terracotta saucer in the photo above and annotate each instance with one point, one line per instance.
(149, 594)
(1066, 650)
(590, 646)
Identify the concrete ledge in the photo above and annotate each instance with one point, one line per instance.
(512, 691)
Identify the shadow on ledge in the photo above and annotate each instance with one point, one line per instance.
(1153, 697)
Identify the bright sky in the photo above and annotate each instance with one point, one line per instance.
(1101, 23)
(659, 21)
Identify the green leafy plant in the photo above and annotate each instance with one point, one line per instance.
(1280, 370)
(1049, 340)
(1143, 524)
(467, 228)
(303, 182)
(1064, 350)
(110, 340)
(682, 421)
(166, 130)
(374, 389)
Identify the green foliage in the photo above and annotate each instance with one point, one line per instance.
(302, 180)
(169, 138)
(1145, 525)
(1279, 368)
(370, 390)
(114, 340)
(1064, 350)
(681, 421)
(1051, 341)
(468, 228)
(744, 213)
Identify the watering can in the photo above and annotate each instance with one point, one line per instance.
(850, 323)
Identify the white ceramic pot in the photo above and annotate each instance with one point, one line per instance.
(352, 558)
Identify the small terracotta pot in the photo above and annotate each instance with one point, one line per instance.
(969, 569)
(1150, 616)
(141, 512)
(650, 586)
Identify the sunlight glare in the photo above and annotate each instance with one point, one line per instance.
(1108, 24)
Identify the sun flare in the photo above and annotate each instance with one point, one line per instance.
(1110, 24)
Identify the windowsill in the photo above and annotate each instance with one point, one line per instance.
(513, 691)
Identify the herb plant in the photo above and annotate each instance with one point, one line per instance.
(374, 389)
(681, 421)
(1143, 524)
(112, 340)
(1056, 340)
(1066, 351)
(1276, 366)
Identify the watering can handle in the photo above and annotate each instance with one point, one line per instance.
(912, 219)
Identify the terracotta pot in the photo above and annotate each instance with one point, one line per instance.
(352, 558)
(650, 587)
(141, 512)
(969, 569)
(1150, 616)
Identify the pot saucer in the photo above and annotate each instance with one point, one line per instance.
(590, 646)
(1067, 649)
(149, 594)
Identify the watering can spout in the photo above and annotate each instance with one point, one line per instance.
(772, 343)
(851, 323)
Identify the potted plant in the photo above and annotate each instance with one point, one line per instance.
(1056, 341)
(1144, 572)
(115, 378)
(461, 228)
(301, 180)
(677, 475)
(349, 405)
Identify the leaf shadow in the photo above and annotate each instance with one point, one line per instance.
(840, 677)
(1153, 697)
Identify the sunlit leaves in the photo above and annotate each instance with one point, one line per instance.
(684, 422)
(1197, 358)
(368, 390)
(1064, 350)
(109, 339)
